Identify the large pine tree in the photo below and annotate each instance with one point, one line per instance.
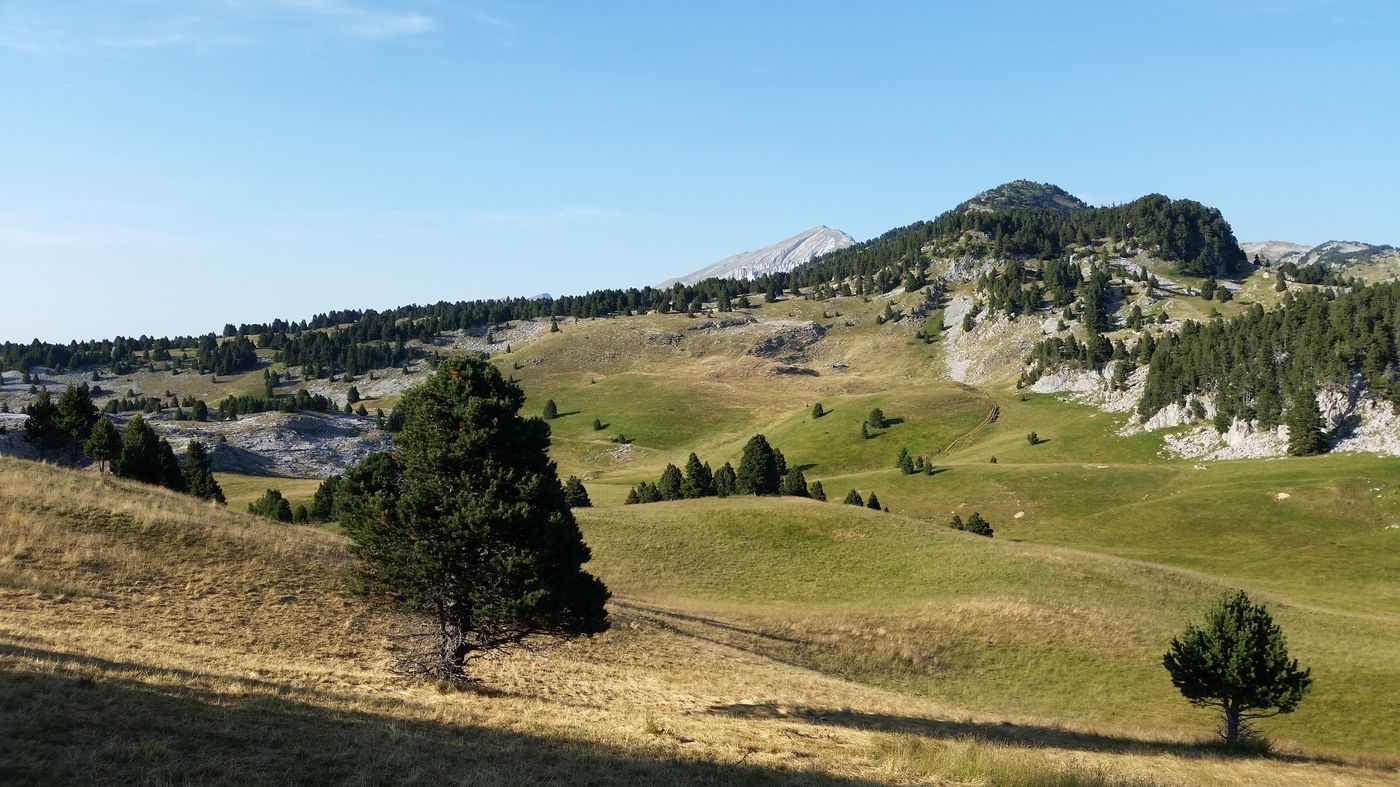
(466, 523)
(758, 468)
(1305, 437)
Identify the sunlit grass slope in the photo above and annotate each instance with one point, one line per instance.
(148, 637)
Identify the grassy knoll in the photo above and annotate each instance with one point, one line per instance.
(231, 645)
(240, 489)
(1000, 626)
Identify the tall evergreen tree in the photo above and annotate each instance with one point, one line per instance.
(670, 484)
(699, 481)
(818, 493)
(199, 474)
(41, 427)
(75, 415)
(467, 522)
(1305, 436)
(853, 498)
(904, 462)
(323, 502)
(758, 468)
(172, 476)
(726, 481)
(872, 501)
(140, 458)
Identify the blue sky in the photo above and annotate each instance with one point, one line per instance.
(166, 167)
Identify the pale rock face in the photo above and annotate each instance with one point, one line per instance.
(781, 257)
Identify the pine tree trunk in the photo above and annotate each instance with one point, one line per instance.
(1232, 724)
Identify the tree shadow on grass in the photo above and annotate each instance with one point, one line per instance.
(566, 415)
(75, 718)
(1006, 732)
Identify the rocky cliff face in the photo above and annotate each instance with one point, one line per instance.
(781, 257)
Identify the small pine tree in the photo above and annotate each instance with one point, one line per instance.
(632, 497)
(323, 502)
(872, 502)
(794, 484)
(853, 498)
(726, 481)
(1033, 438)
(977, 525)
(550, 410)
(905, 463)
(818, 493)
(199, 473)
(865, 430)
(272, 505)
(301, 515)
(817, 411)
(353, 395)
(104, 444)
(575, 495)
(956, 523)
(597, 425)
(1237, 662)
(877, 418)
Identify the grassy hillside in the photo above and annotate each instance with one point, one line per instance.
(781, 642)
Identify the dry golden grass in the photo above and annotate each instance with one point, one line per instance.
(146, 637)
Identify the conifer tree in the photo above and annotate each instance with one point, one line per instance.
(956, 523)
(1237, 662)
(1305, 436)
(575, 495)
(877, 418)
(817, 411)
(976, 524)
(104, 444)
(758, 468)
(699, 481)
(272, 505)
(323, 502)
(597, 425)
(466, 521)
(172, 475)
(904, 462)
(632, 497)
(140, 458)
(41, 427)
(74, 416)
(550, 410)
(353, 395)
(872, 502)
(818, 493)
(670, 484)
(853, 498)
(726, 481)
(199, 474)
(794, 484)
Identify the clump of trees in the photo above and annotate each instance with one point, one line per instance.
(272, 505)
(466, 525)
(1237, 662)
(975, 524)
(763, 470)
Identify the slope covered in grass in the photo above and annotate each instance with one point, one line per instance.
(152, 638)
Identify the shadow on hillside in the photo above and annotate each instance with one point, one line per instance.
(64, 727)
(1006, 732)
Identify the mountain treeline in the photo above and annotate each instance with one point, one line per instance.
(1255, 360)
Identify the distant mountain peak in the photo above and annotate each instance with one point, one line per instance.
(1024, 195)
(780, 257)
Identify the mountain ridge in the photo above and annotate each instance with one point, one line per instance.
(779, 257)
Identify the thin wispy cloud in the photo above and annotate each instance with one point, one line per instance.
(45, 29)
